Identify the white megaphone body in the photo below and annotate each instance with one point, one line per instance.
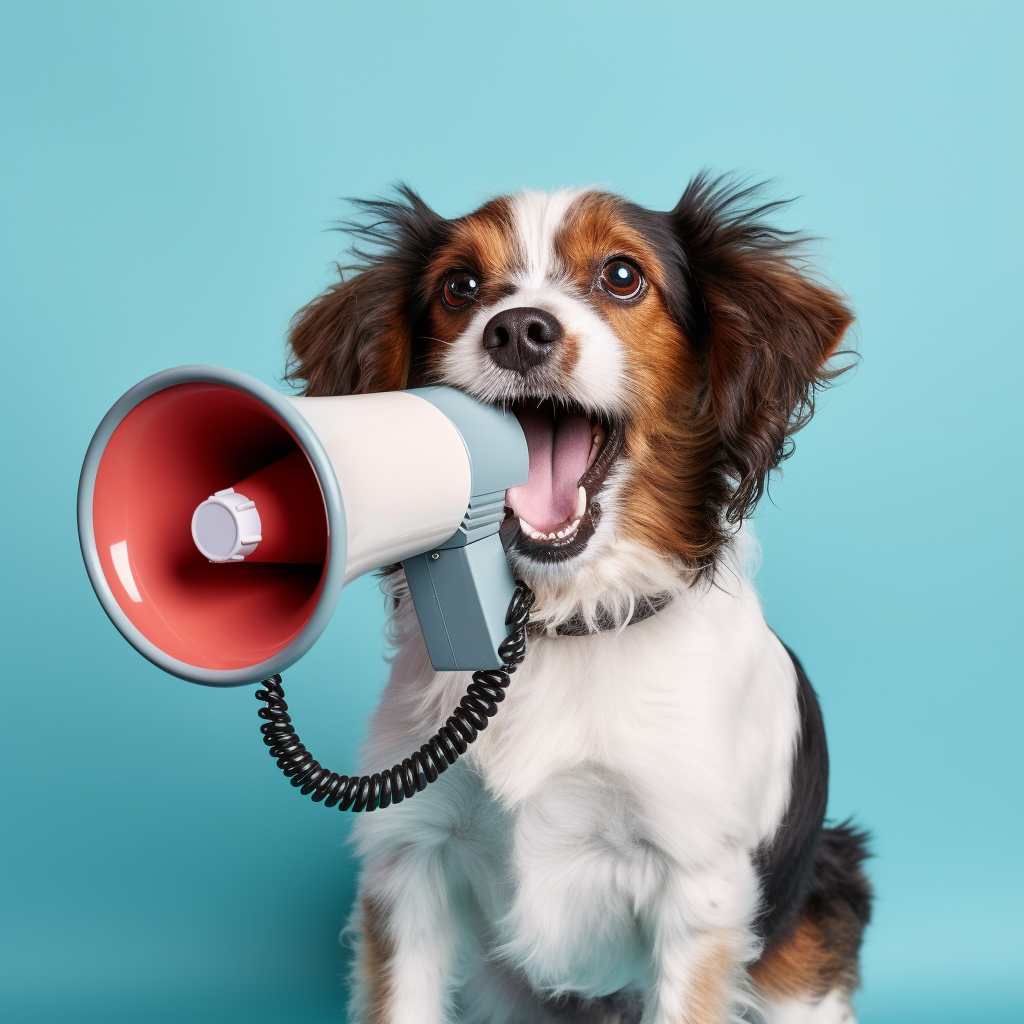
(219, 519)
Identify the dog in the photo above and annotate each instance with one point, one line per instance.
(638, 834)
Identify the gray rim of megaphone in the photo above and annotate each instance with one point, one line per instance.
(334, 575)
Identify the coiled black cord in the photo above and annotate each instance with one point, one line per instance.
(412, 776)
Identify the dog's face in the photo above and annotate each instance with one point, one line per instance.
(560, 308)
(658, 362)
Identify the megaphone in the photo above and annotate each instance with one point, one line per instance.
(219, 519)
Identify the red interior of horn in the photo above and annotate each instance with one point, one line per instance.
(290, 505)
(173, 450)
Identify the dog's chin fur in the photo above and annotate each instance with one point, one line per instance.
(603, 591)
(638, 833)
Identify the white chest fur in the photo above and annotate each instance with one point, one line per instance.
(624, 770)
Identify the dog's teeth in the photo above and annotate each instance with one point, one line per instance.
(567, 531)
(581, 503)
(596, 444)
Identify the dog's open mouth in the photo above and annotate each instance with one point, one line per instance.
(571, 453)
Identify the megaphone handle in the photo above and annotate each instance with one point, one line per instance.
(416, 772)
(460, 594)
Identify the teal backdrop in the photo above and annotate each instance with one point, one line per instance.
(170, 174)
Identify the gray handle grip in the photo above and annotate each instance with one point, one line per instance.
(461, 596)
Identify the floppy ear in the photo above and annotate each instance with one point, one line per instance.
(767, 328)
(361, 334)
(354, 338)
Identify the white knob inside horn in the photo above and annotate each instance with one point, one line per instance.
(226, 527)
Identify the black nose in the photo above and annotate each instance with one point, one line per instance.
(521, 338)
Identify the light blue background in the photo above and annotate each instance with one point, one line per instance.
(169, 173)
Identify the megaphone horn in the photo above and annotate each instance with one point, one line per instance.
(219, 519)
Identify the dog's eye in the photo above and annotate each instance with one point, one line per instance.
(460, 289)
(622, 278)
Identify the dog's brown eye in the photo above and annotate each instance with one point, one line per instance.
(622, 278)
(459, 289)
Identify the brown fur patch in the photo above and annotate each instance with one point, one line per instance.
(595, 230)
(769, 328)
(720, 406)
(360, 336)
(670, 446)
(484, 243)
(706, 1001)
(353, 338)
(378, 953)
(820, 955)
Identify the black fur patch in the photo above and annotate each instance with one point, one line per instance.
(840, 897)
(786, 865)
(809, 869)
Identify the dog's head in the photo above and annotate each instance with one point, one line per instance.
(658, 362)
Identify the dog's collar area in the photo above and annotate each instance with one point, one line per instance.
(604, 621)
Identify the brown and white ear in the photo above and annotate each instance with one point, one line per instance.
(360, 336)
(769, 328)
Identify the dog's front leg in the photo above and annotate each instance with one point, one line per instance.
(694, 979)
(406, 947)
(701, 943)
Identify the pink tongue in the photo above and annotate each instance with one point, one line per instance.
(559, 450)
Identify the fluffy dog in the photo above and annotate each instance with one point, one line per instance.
(639, 832)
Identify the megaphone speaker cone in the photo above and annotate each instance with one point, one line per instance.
(169, 443)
